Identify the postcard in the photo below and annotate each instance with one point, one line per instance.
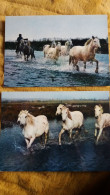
(55, 131)
(56, 51)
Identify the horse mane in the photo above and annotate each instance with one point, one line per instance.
(101, 108)
(87, 42)
(30, 119)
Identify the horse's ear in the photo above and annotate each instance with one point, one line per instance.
(93, 37)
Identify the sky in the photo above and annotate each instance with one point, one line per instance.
(54, 95)
(65, 27)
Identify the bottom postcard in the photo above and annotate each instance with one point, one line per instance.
(55, 131)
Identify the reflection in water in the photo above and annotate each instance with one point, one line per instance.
(80, 154)
(45, 72)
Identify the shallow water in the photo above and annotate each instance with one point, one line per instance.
(44, 72)
(80, 154)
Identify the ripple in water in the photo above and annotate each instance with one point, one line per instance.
(44, 72)
(80, 154)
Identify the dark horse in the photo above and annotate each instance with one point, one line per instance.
(28, 51)
(25, 49)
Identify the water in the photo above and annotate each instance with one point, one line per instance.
(44, 72)
(80, 154)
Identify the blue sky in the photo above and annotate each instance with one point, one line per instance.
(63, 95)
(36, 27)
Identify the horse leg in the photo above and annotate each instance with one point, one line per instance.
(100, 132)
(41, 139)
(45, 138)
(70, 133)
(61, 132)
(97, 67)
(75, 64)
(25, 57)
(84, 66)
(95, 133)
(27, 142)
(76, 134)
(31, 141)
(77, 67)
(69, 60)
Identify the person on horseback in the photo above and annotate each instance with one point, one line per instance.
(18, 41)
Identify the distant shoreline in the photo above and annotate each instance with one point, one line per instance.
(38, 44)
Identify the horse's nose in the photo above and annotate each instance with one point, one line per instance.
(96, 117)
(63, 121)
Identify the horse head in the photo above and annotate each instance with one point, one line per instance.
(96, 42)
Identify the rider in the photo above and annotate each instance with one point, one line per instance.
(18, 41)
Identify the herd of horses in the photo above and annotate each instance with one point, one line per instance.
(53, 51)
(34, 127)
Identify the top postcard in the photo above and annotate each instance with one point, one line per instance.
(56, 51)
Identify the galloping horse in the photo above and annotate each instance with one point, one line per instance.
(26, 49)
(85, 53)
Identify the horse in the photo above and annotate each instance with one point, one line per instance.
(33, 126)
(102, 120)
(71, 120)
(85, 53)
(66, 48)
(46, 47)
(28, 51)
(54, 53)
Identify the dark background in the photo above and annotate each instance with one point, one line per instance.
(38, 45)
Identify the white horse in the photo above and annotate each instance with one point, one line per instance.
(85, 53)
(102, 120)
(33, 126)
(71, 120)
(54, 53)
(46, 47)
(66, 48)
(53, 44)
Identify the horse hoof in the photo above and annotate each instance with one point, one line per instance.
(96, 71)
(77, 68)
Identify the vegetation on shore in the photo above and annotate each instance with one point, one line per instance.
(38, 44)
